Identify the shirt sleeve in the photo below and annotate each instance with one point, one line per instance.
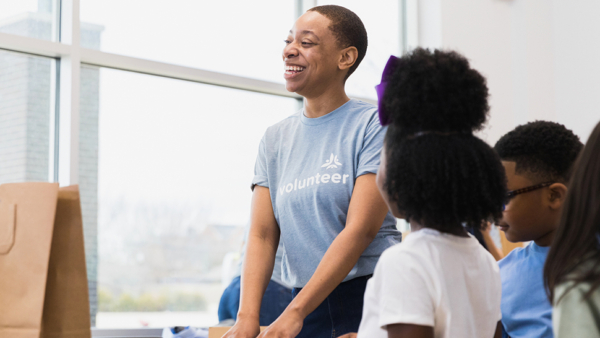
(368, 158)
(406, 292)
(260, 167)
(575, 316)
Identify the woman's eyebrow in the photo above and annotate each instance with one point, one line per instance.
(308, 32)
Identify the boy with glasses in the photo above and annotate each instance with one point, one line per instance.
(538, 158)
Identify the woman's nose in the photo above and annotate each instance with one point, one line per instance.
(290, 51)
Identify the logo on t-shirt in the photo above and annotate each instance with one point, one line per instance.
(317, 179)
(332, 162)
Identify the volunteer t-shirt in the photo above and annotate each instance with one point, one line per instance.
(448, 282)
(526, 310)
(310, 166)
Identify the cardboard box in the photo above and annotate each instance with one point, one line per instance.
(219, 331)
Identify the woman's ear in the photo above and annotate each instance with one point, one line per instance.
(558, 193)
(348, 57)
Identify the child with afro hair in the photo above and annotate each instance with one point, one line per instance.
(439, 282)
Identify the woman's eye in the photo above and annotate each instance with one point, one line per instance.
(306, 43)
(287, 42)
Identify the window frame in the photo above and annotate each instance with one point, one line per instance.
(69, 57)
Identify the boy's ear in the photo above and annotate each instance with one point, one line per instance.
(558, 193)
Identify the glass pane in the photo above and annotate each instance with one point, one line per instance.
(236, 37)
(383, 24)
(31, 18)
(166, 168)
(25, 117)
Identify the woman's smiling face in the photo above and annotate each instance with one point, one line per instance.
(311, 56)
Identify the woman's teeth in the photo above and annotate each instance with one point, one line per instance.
(293, 69)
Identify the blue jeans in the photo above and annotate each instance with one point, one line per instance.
(277, 297)
(340, 312)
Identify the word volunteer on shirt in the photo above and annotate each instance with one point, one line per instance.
(317, 179)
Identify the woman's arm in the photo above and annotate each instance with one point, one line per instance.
(263, 240)
(366, 213)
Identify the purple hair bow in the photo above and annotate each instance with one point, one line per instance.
(390, 67)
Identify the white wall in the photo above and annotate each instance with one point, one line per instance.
(541, 57)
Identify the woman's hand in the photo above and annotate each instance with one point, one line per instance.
(243, 329)
(288, 325)
(349, 335)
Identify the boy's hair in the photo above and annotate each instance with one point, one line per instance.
(544, 150)
(348, 30)
(575, 253)
(437, 172)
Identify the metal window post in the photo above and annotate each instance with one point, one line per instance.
(68, 114)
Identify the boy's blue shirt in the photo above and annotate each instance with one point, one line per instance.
(526, 311)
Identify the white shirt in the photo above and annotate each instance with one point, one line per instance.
(434, 279)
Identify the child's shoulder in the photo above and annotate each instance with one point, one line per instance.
(410, 247)
(516, 255)
(529, 254)
(415, 246)
(403, 248)
(402, 257)
(428, 251)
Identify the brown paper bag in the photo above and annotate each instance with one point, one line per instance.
(43, 281)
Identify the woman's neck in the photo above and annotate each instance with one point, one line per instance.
(325, 103)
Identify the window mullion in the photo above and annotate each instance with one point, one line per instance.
(70, 65)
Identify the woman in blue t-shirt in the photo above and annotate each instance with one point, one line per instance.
(314, 189)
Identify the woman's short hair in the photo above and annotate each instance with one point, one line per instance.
(347, 28)
(437, 172)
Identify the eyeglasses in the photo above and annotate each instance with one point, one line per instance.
(511, 194)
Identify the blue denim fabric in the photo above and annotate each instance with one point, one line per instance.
(277, 297)
(340, 312)
(230, 301)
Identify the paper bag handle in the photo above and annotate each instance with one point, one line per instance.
(7, 227)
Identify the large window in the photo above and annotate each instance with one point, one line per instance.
(32, 18)
(235, 37)
(174, 166)
(156, 110)
(26, 117)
